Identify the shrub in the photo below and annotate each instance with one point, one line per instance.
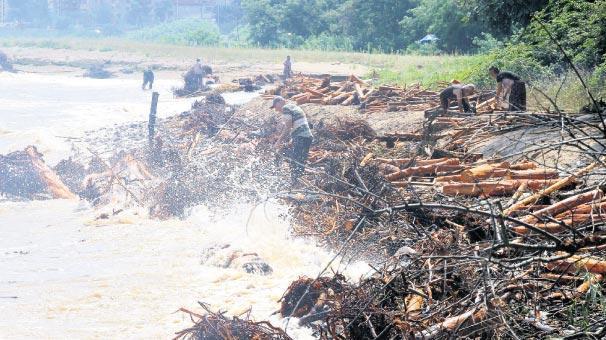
(182, 32)
(326, 42)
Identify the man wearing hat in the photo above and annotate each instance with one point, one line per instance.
(294, 126)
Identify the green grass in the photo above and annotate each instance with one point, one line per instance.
(391, 68)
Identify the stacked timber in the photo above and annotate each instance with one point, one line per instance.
(355, 91)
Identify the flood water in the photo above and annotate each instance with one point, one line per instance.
(65, 274)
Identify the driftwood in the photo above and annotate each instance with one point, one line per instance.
(25, 174)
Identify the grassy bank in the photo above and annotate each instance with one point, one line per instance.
(390, 68)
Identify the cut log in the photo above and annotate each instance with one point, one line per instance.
(315, 93)
(564, 205)
(349, 100)
(524, 166)
(593, 208)
(485, 171)
(451, 178)
(451, 324)
(485, 104)
(487, 189)
(572, 222)
(577, 263)
(356, 80)
(304, 99)
(547, 191)
(387, 169)
(24, 174)
(421, 170)
(359, 90)
(533, 174)
(339, 98)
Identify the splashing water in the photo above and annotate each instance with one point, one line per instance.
(66, 274)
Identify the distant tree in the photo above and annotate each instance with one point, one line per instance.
(162, 10)
(447, 19)
(376, 24)
(31, 11)
(503, 17)
(578, 25)
(139, 12)
(264, 19)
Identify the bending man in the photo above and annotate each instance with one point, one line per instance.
(510, 89)
(294, 126)
(459, 92)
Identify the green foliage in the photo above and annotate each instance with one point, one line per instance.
(182, 32)
(374, 25)
(500, 17)
(325, 42)
(447, 19)
(578, 25)
(517, 58)
(486, 43)
(34, 12)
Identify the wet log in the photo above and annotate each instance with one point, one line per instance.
(24, 174)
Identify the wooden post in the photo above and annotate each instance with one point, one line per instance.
(151, 125)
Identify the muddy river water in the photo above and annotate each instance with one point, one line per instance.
(64, 274)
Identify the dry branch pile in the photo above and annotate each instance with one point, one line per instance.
(216, 326)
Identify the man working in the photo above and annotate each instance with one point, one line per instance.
(509, 89)
(459, 92)
(148, 78)
(294, 125)
(287, 68)
(199, 73)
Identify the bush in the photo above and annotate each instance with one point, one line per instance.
(325, 42)
(423, 49)
(517, 58)
(183, 32)
(486, 43)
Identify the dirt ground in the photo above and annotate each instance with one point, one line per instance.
(131, 64)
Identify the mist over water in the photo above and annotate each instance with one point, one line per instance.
(66, 274)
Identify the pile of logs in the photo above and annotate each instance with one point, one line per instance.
(355, 91)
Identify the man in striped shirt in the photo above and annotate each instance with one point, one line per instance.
(293, 126)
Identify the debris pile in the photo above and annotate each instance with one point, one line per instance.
(212, 326)
(98, 71)
(355, 91)
(24, 174)
(464, 242)
(5, 63)
(196, 83)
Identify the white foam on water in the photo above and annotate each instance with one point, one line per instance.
(74, 276)
(77, 277)
(43, 109)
